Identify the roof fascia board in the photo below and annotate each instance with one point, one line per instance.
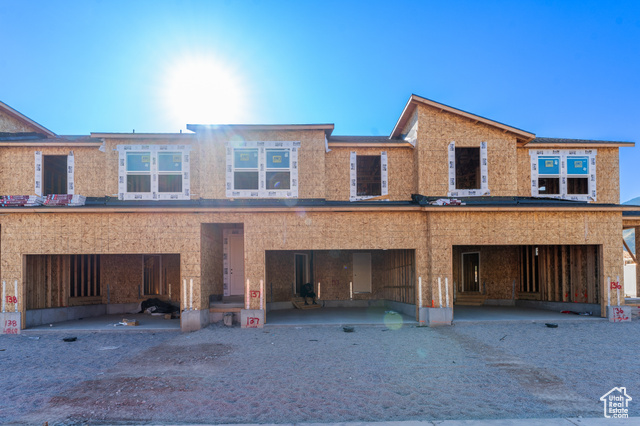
(582, 145)
(51, 144)
(346, 208)
(370, 145)
(144, 135)
(26, 120)
(328, 128)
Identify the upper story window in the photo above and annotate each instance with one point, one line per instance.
(568, 174)
(468, 171)
(260, 169)
(153, 172)
(368, 176)
(54, 174)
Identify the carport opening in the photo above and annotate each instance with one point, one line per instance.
(70, 287)
(554, 277)
(342, 278)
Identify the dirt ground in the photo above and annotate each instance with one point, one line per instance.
(319, 374)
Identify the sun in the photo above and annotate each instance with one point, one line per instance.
(204, 91)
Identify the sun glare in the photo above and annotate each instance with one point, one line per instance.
(204, 91)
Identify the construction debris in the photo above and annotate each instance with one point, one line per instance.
(65, 200)
(21, 200)
(447, 202)
(130, 322)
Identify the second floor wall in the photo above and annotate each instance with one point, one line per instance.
(222, 162)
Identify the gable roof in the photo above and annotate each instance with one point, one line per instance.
(26, 120)
(415, 100)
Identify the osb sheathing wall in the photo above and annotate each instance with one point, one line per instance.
(180, 233)
(123, 276)
(607, 173)
(211, 263)
(498, 269)
(311, 158)
(331, 231)
(17, 169)
(11, 125)
(333, 269)
(448, 229)
(437, 129)
(109, 183)
(400, 169)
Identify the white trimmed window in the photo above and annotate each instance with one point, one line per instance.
(566, 174)
(468, 171)
(260, 169)
(368, 176)
(153, 172)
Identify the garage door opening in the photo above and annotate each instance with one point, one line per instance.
(62, 288)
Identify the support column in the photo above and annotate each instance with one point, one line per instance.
(637, 232)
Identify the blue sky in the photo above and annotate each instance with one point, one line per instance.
(555, 68)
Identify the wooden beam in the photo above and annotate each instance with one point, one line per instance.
(635, 260)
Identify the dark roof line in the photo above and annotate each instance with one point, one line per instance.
(561, 141)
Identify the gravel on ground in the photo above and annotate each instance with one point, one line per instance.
(319, 374)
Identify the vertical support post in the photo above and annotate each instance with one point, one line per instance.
(184, 301)
(440, 291)
(350, 290)
(318, 290)
(419, 292)
(108, 294)
(636, 230)
(15, 286)
(246, 296)
(169, 291)
(4, 296)
(261, 294)
(190, 293)
(608, 291)
(446, 289)
(618, 290)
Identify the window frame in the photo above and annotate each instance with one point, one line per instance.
(39, 173)
(353, 176)
(565, 155)
(154, 172)
(293, 148)
(484, 173)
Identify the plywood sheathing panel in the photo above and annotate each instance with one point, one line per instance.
(498, 269)
(607, 174)
(211, 261)
(311, 158)
(17, 169)
(334, 270)
(109, 185)
(436, 129)
(400, 169)
(12, 125)
(448, 229)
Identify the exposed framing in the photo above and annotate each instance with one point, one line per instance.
(154, 194)
(353, 177)
(39, 170)
(161, 287)
(563, 155)
(262, 191)
(484, 174)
